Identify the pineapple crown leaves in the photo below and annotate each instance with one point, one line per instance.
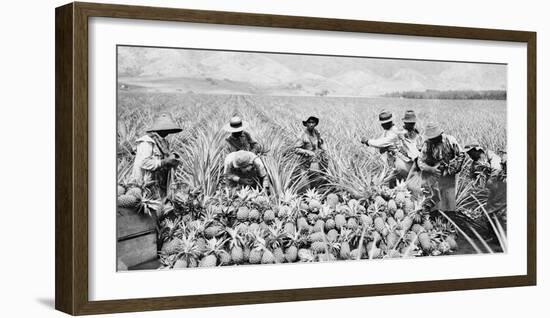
(235, 238)
(312, 194)
(189, 248)
(215, 246)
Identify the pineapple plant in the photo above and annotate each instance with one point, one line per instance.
(236, 243)
(314, 200)
(214, 249)
(305, 255)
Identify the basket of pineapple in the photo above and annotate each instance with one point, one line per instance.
(248, 227)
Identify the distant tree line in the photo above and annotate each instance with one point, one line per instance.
(451, 94)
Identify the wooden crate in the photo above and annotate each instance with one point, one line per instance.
(136, 239)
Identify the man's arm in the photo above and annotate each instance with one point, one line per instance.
(385, 141)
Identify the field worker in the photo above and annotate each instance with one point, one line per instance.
(412, 139)
(154, 160)
(485, 163)
(244, 168)
(440, 159)
(240, 139)
(310, 144)
(390, 146)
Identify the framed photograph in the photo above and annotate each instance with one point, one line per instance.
(211, 158)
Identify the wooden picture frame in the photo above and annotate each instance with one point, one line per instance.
(71, 122)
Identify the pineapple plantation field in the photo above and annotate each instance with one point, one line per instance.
(352, 215)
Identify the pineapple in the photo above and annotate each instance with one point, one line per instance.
(408, 206)
(291, 254)
(425, 241)
(208, 261)
(316, 237)
(127, 201)
(135, 191)
(428, 225)
(255, 256)
(242, 213)
(340, 221)
(312, 218)
(314, 205)
(213, 231)
(332, 200)
(391, 223)
(417, 228)
(254, 215)
(392, 206)
(406, 223)
(399, 214)
(392, 239)
(172, 247)
(289, 228)
(393, 254)
(444, 247)
(330, 224)
(352, 223)
(224, 257)
(379, 224)
(302, 224)
(267, 257)
(380, 202)
(180, 263)
(366, 220)
(279, 255)
(269, 216)
(236, 243)
(332, 235)
(452, 243)
(120, 190)
(305, 255)
(319, 226)
(284, 212)
(345, 250)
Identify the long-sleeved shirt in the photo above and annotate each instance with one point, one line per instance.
(488, 165)
(243, 142)
(258, 170)
(440, 153)
(148, 160)
(412, 143)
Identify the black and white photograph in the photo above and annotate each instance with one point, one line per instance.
(236, 158)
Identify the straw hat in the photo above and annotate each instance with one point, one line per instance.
(235, 124)
(432, 130)
(242, 158)
(165, 123)
(410, 117)
(473, 144)
(311, 119)
(385, 117)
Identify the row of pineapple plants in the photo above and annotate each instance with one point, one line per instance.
(246, 227)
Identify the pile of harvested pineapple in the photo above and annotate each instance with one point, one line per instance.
(247, 227)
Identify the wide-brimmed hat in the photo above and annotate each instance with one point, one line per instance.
(471, 145)
(385, 117)
(165, 123)
(311, 119)
(235, 124)
(432, 130)
(410, 117)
